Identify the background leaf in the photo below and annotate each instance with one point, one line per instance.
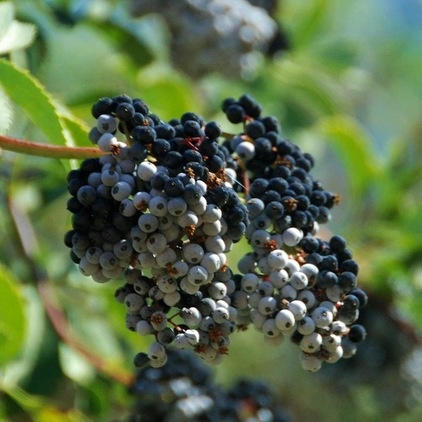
(29, 94)
(12, 317)
(353, 147)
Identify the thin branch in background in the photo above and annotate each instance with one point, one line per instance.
(50, 302)
(63, 329)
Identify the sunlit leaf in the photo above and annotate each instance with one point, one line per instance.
(12, 317)
(19, 35)
(77, 130)
(34, 100)
(74, 365)
(13, 35)
(6, 114)
(34, 339)
(6, 17)
(41, 410)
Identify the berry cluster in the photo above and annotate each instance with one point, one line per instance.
(207, 33)
(163, 208)
(184, 390)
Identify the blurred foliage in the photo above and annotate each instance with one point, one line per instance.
(347, 91)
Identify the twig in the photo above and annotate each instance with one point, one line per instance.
(61, 325)
(47, 150)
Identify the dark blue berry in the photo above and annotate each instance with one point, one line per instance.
(274, 210)
(193, 117)
(309, 244)
(160, 147)
(143, 134)
(102, 106)
(173, 160)
(235, 114)
(137, 152)
(218, 196)
(270, 196)
(318, 197)
(327, 279)
(173, 187)
(192, 194)
(258, 187)
(212, 130)
(349, 265)
(255, 129)
(208, 148)
(192, 129)
(361, 295)
(271, 124)
(337, 244)
(357, 333)
(347, 281)
(125, 111)
(329, 263)
(250, 105)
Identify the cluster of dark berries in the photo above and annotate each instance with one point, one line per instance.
(163, 207)
(207, 33)
(184, 390)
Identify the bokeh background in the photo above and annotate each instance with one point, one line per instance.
(344, 79)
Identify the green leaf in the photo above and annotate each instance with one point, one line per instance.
(311, 87)
(354, 148)
(78, 130)
(6, 18)
(12, 317)
(6, 112)
(30, 95)
(13, 35)
(75, 366)
(166, 92)
(89, 66)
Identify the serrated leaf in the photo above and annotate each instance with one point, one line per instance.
(14, 35)
(78, 130)
(353, 147)
(30, 95)
(12, 317)
(20, 35)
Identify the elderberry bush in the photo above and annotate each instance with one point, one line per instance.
(167, 202)
(184, 390)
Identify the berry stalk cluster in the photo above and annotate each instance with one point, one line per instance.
(171, 199)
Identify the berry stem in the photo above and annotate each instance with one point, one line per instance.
(47, 150)
(227, 135)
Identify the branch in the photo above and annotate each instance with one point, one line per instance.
(48, 150)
